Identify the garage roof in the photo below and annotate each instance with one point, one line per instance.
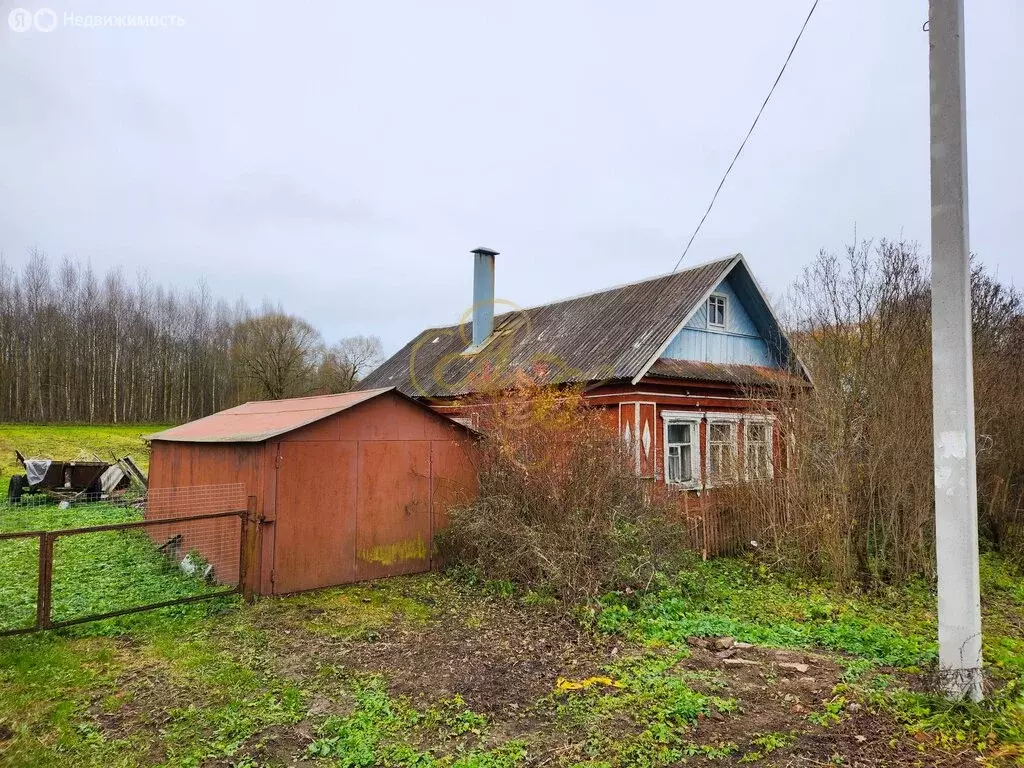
(261, 420)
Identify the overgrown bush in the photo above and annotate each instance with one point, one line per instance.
(857, 498)
(560, 507)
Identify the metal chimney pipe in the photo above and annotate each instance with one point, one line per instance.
(483, 294)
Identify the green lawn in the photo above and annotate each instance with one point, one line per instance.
(435, 671)
(104, 441)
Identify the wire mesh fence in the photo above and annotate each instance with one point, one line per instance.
(40, 512)
(64, 564)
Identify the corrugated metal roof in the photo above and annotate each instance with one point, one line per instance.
(601, 336)
(263, 419)
(696, 370)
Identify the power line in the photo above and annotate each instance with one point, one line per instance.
(745, 138)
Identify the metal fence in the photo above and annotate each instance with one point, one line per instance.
(96, 559)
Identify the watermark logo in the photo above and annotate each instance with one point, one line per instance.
(20, 20)
(46, 20)
(516, 358)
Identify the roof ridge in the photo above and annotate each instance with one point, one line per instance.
(619, 287)
(664, 275)
(313, 397)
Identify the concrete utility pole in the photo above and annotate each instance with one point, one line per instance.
(956, 481)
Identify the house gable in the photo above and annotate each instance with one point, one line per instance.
(767, 347)
(739, 343)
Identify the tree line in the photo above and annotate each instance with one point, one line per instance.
(78, 346)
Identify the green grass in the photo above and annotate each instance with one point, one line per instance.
(888, 630)
(93, 573)
(657, 698)
(358, 612)
(213, 683)
(207, 692)
(383, 731)
(201, 685)
(732, 597)
(104, 441)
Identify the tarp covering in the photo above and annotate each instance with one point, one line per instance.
(36, 470)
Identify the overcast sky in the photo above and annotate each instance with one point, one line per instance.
(342, 158)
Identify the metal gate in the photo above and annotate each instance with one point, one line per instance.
(178, 546)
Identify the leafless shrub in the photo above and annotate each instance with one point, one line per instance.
(999, 416)
(559, 506)
(856, 501)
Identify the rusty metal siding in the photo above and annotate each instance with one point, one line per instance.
(176, 465)
(185, 465)
(396, 418)
(453, 479)
(268, 510)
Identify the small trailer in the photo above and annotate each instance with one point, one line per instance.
(71, 481)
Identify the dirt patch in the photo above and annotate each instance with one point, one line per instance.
(499, 656)
(502, 663)
(276, 745)
(866, 740)
(776, 690)
(504, 658)
(138, 706)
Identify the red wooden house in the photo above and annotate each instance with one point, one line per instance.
(685, 363)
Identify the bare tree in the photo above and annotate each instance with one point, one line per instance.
(347, 361)
(280, 354)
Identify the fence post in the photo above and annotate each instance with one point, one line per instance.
(44, 594)
(250, 546)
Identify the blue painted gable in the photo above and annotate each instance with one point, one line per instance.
(746, 338)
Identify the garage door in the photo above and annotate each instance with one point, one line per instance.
(314, 540)
(393, 528)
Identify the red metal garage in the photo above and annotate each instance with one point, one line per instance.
(348, 487)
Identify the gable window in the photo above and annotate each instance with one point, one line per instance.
(716, 311)
(757, 449)
(682, 450)
(722, 450)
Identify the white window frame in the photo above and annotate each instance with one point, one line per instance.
(733, 420)
(693, 420)
(725, 311)
(769, 422)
